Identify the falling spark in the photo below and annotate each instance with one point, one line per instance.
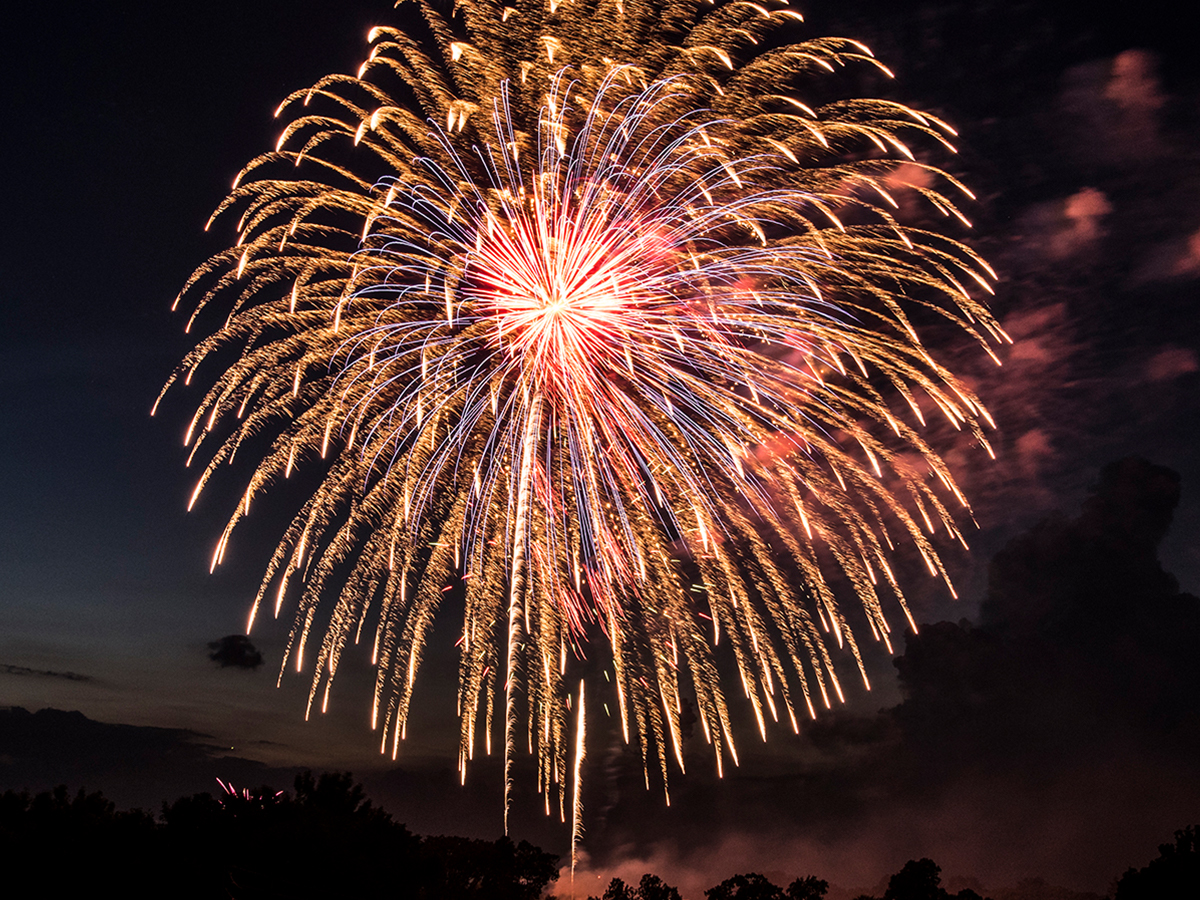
(577, 782)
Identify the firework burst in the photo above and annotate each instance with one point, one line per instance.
(579, 309)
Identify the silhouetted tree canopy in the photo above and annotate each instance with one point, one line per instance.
(1174, 875)
(808, 888)
(920, 879)
(325, 839)
(746, 887)
(651, 888)
(464, 869)
(39, 833)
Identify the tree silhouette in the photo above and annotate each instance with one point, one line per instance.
(617, 890)
(326, 839)
(329, 840)
(920, 879)
(1174, 875)
(651, 888)
(808, 888)
(37, 833)
(460, 868)
(746, 887)
(753, 886)
(654, 888)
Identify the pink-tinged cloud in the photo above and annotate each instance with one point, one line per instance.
(1174, 259)
(1187, 263)
(1079, 224)
(1111, 109)
(1066, 229)
(1170, 363)
(1133, 83)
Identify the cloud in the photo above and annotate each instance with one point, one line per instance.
(1071, 705)
(1173, 259)
(1109, 110)
(1060, 230)
(235, 651)
(134, 765)
(1085, 644)
(1034, 398)
(1171, 363)
(1084, 212)
(1188, 261)
(1133, 83)
(1080, 684)
(43, 673)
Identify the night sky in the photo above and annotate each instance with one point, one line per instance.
(1047, 728)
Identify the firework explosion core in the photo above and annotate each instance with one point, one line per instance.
(578, 306)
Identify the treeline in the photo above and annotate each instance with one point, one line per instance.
(326, 839)
(918, 880)
(1173, 875)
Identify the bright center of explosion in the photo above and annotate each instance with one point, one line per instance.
(564, 292)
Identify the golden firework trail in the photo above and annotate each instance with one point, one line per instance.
(579, 309)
